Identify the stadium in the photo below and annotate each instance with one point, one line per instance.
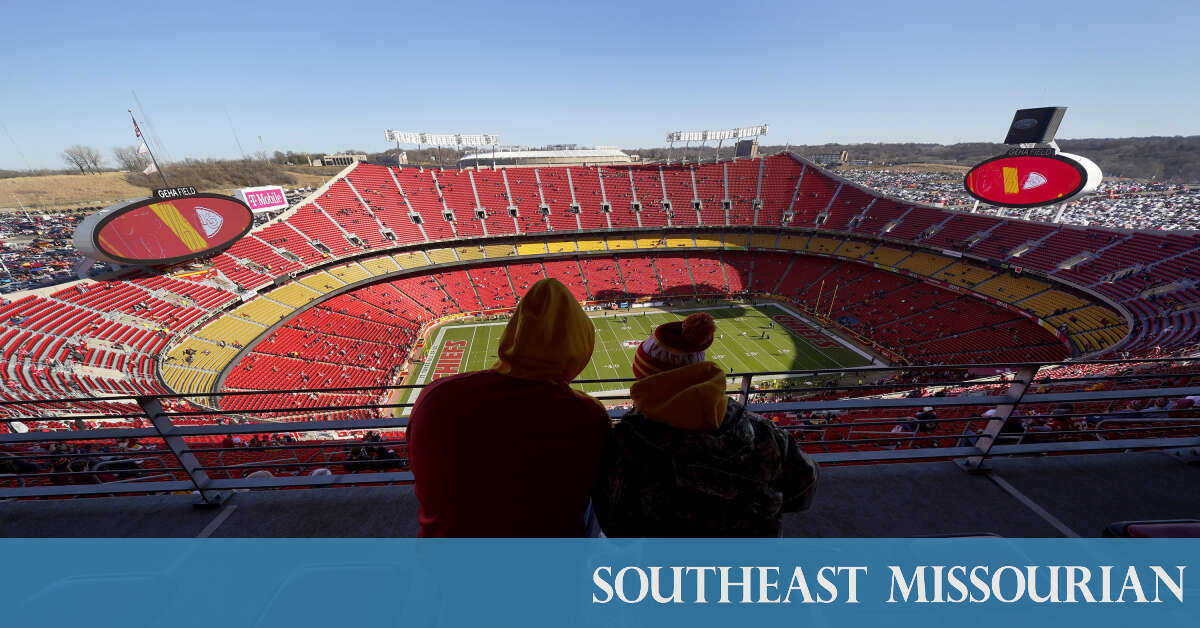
(841, 311)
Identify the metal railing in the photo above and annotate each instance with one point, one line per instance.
(118, 445)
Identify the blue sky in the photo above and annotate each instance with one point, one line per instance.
(328, 76)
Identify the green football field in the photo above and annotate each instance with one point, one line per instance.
(749, 338)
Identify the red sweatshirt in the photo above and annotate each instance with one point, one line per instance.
(500, 456)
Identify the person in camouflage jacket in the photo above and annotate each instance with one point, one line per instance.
(688, 461)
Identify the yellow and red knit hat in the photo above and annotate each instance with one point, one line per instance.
(674, 344)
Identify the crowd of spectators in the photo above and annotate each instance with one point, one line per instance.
(1124, 204)
(77, 463)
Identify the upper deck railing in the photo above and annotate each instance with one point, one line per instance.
(115, 445)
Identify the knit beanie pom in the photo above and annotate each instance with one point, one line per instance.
(698, 329)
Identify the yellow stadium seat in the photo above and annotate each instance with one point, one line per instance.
(590, 245)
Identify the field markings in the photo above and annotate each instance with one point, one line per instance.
(832, 336)
(733, 349)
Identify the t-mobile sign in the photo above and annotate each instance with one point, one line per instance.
(263, 199)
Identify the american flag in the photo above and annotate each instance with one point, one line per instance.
(136, 130)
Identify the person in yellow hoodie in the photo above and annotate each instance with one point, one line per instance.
(688, 461)
(511, 451)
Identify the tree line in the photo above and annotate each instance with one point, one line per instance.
(1172, 159)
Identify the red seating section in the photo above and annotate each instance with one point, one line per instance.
(122, 325)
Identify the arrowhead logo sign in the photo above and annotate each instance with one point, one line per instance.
(1031, 180)
(1035, 179)
(210, 221)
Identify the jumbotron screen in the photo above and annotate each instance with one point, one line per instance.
(1027, 180)
(157, 231)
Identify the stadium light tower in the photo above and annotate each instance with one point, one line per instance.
(687, 137)
(457, 140)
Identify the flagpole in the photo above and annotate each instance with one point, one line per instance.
(153, 159)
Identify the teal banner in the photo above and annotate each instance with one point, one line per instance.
(222, 583)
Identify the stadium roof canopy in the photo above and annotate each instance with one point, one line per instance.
(522, 157)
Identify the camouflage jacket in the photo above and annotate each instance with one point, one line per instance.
(654, 480)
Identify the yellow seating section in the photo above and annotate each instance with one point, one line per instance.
(1088, 342)
(531, 248)
(1008, 288)
(382, 265)
(619, 243)
(590, 245)
(853, 249)
(886, 255)
(321, 281)
(499, 250)
(737, 241)
(441, 256)
(561, 246)
(680, 241)
(707, 241)
(925, 263)
(652, 242)
(350, 273)
(230, 329)
(762, 241)
(187, 380)
(260, 311)
(823, 245)
(411, 259)
(965, 275)
(294, 294)
(1088, 319)
(793, 241)
(469, 252)
(1047, 303)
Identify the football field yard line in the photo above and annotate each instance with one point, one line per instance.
(604, 372)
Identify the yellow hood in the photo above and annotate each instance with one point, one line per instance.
(689, 398)
(549, 337)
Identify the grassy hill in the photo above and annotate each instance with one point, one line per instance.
(67, 191)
